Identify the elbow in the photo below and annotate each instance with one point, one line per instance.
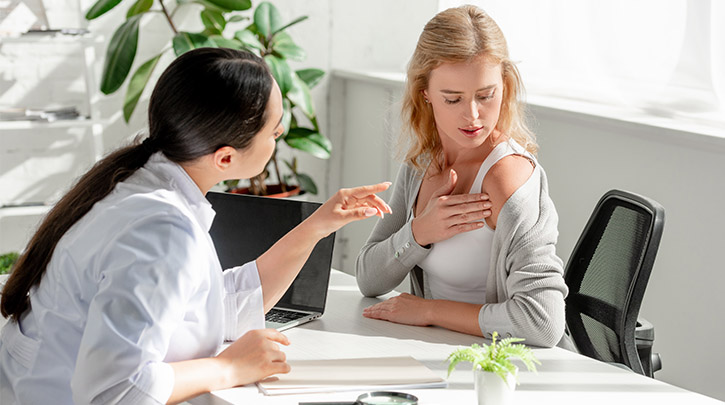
(546, 338)
(549, 331)
(366, 281)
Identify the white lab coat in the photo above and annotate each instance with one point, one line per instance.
(133, 285)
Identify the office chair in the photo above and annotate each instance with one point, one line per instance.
(607, 274)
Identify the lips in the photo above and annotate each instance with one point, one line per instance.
(471, 132)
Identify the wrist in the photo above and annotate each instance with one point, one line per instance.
(312, 227)
(429, 311)
(226, 377)
(417, 237)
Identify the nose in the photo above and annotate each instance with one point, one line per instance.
(471, 110)
(280, 133)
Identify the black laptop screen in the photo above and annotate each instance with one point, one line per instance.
(246, 226)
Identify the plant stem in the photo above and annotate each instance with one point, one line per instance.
(276, 171)
(168, 17)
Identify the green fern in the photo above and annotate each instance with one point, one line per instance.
(495, 357)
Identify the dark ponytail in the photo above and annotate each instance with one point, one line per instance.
(206, 99)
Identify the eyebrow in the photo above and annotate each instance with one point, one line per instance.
(489, 87)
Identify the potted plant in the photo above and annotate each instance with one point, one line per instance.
(265, 35)
(7, 260)
(495, 376)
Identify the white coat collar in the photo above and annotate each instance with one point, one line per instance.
(175, 177)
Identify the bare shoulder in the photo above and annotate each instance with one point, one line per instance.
(503, 179)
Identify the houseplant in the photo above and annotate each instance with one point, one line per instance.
(265, 35)
(495, 376)
(7, 260)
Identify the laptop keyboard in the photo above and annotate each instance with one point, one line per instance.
(282, 316)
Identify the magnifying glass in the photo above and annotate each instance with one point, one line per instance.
(375, 398)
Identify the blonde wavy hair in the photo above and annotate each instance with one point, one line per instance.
(456, 35)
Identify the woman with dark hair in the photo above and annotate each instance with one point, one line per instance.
(119, 297)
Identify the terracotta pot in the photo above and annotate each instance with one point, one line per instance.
(273, 190)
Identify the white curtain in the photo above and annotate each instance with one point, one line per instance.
(661, 57)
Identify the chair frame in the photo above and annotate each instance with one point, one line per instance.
(626, 322)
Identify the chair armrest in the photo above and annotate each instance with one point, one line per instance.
(644, 331)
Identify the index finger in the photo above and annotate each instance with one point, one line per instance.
(364, 191)
(466, 198)
(277, 336)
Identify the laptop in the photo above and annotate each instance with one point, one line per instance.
(245, 226)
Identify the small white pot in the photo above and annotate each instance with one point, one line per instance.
(492, 389)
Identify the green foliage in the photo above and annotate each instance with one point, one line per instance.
(495, 357)
(265, 36)
(7, 260)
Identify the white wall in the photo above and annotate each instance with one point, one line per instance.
(586, 156)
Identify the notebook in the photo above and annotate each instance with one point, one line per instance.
(356, 374)
(245, 226)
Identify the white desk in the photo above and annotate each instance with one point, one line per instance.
(563, 378)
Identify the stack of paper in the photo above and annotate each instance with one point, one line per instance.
(381, 373)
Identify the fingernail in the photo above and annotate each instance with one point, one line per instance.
(369, 212)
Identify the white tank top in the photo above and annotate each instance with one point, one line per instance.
(457, 268)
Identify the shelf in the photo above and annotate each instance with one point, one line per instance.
(48, 37)
(23, 210)
(81, 122)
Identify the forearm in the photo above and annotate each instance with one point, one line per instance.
(195, 377)
(279, 265)
(382, 265)
(458, 316)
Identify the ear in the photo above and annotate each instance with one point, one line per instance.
(223, 158)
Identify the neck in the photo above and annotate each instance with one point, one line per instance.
(453, 153)
(200, 177)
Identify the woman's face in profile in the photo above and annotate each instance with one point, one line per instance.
(466, 101)
(258, 153)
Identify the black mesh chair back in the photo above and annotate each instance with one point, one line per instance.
(607, 274)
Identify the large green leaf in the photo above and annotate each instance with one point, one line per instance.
(233, 4)
(306, 183)
(213, 20)
(309, 141)
(237, 18)
(120, 54)
(186, 41)
(311, 76)
(281, 72)
(136, 85)
(249, 39)
(139, 7)
(295, 21)
(222, 42)
(100, 8)
(267, 19)
(207, 5)
(283, 45)
(286, 116)
(300, 95)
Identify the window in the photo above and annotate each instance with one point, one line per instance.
(663, 58)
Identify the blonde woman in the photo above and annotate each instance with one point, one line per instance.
(472, 220)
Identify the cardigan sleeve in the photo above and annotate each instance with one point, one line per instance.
(391, 251)
(526, 298)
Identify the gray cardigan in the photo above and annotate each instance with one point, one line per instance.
(525, 289)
